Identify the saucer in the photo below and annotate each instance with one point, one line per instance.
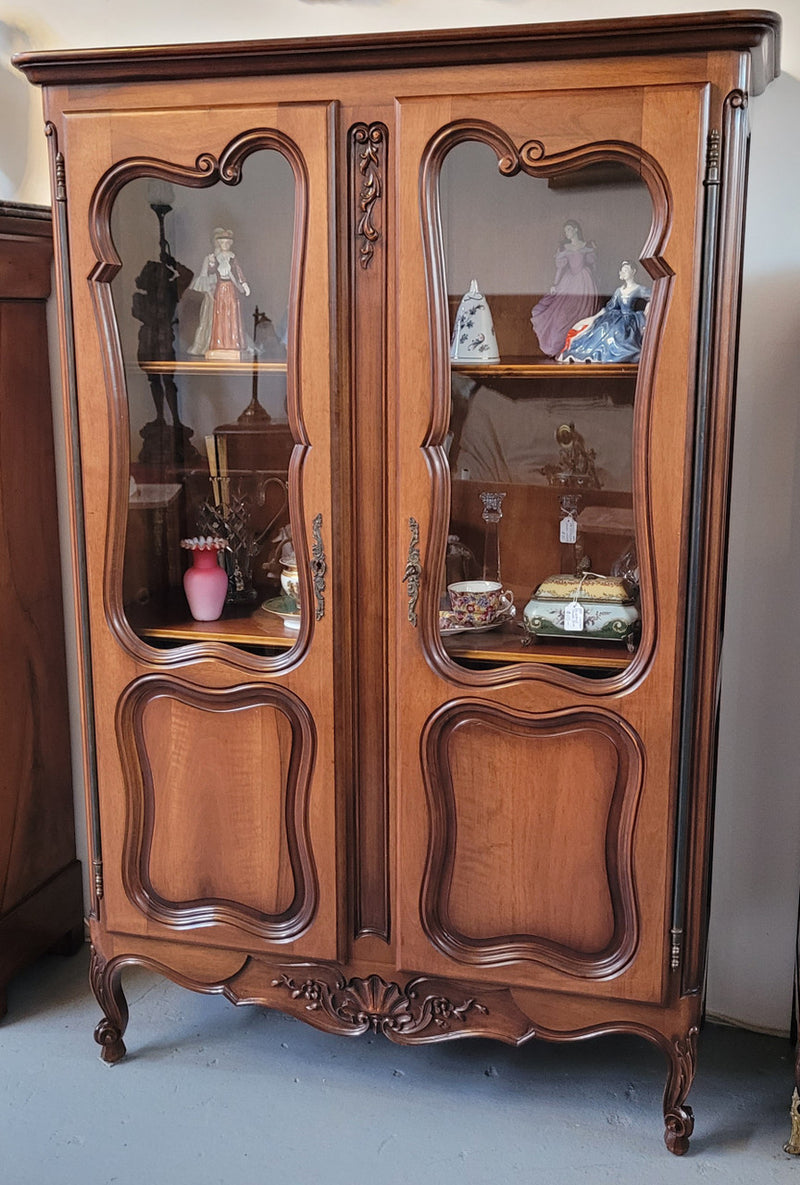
(449, 631)
(286, 608)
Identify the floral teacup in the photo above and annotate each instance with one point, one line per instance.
(290, 581)
(479, 602)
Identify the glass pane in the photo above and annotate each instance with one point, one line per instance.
(201, 302)
(548, 308)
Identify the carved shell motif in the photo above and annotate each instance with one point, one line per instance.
(372, 1005)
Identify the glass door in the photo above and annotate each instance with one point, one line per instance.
(548, 302)
(206, 311)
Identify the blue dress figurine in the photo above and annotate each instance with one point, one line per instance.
(615, 333)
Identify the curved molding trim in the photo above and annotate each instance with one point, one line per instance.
(421, 1011)
(532, 159)
(755, 32)
(208, 170)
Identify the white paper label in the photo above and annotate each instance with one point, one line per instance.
(573, 616)
(568, 530)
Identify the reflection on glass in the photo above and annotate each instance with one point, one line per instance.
(548, 313)
(201, 303)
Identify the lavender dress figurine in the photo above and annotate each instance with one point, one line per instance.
(614, 334)
(573, 295)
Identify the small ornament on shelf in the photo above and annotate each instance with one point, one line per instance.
(575, 468)
(573, 294)
(228, 514)
(220, 335)
(492, 514)
(205, 583)
(616, 333)
(159, 287)
(473, 337)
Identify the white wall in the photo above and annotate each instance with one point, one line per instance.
(757, 848)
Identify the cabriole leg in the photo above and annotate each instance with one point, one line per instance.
(678, 1118)
(792, 1145)
(106, 981)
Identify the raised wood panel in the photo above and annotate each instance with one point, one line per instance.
(522, 811)
(527, 837)
(218, 783)
(237, 838)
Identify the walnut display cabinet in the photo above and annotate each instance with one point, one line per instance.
(338, 796)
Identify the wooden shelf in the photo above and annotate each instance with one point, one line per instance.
(203, 367)
(240, 625)
(507, 645)
(521, 368)
(253, 626)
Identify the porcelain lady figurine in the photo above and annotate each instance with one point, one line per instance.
(614, 334)
(574, 292)
(220, 335)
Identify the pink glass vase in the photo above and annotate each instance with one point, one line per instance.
(205, 583)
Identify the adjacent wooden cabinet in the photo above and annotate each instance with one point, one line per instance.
(41, 904)
(335, 797)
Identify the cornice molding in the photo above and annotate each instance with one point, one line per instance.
(749, 30)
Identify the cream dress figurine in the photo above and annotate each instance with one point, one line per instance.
(220, 335)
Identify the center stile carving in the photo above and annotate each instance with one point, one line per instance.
(370, 138)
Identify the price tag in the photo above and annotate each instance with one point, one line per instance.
(573, 617)
(568, 529)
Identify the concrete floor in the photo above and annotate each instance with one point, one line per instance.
(210, 1094)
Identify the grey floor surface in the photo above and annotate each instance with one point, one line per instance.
(210, 1094)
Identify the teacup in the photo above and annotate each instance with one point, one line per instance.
(479, 602)
(290, 582)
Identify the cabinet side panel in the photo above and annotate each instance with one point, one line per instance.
(36, 814)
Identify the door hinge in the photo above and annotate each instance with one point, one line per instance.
(676, 948)
(98, 878)
(712, 158)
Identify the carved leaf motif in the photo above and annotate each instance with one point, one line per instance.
(678, 1117)
(369, 167)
